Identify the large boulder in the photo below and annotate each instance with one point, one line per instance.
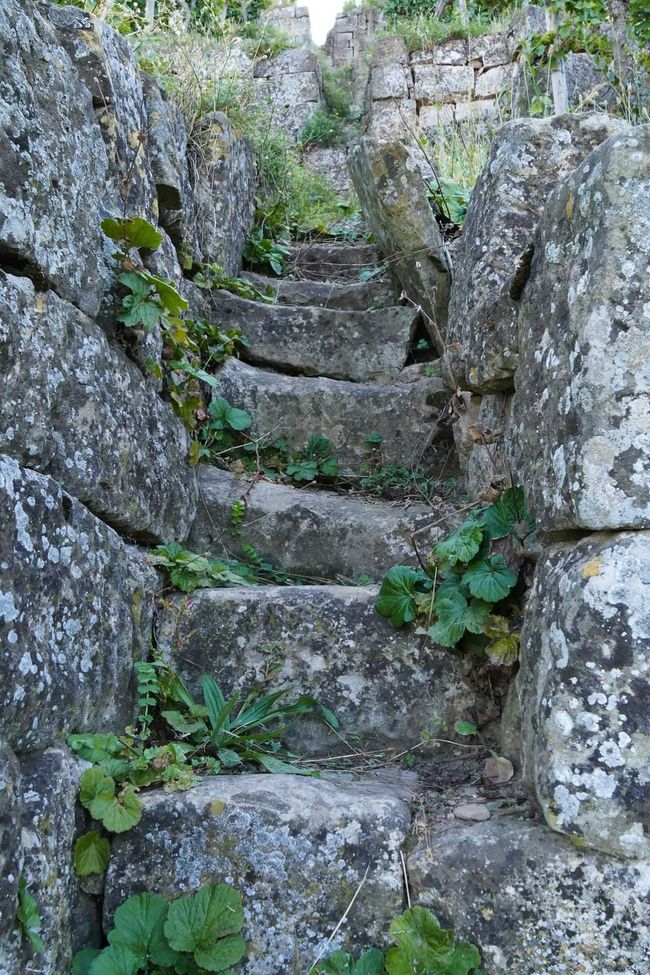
(75, 611)
(74, 406)
(528, 158)
(327, 641)
(360, 346)
(314, 534)
(296, 848)
(48, 829)
(532, 902)
(396, 206)
(10, 858)
(580, 420)
(53, 162)
(584, 689)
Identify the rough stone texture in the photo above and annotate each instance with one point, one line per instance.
(53, 161)
(293, 20)
(442, 83)
(76, 612)
(489, 460)
(222, 171)
(347, 44)
(390, 116)
(404, 414)
(490, 49)
(365, 296)
(327, 641)
(292, 86)
(394, 198)
(10, 857)
(48, 831)
(580, 420)
(106, 63)
(443, 116)
(492, 81)
(359, 346)
(281, 840)
(75, 407)
(527, 159)
(313, 533)
(532, 903)
(332, 262)
(332, 165)
(587, 86)
(450, 52)
(584, 689)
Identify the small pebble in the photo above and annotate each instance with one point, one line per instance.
(473, 811)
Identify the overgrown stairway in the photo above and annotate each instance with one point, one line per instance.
(322, 365)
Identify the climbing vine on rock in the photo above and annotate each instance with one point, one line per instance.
(466, 594)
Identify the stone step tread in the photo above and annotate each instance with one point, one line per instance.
(279, 839)
(354, 345)
(364, 296)
(313, 533)
(332, 261)
(403, 413)
(327, 641)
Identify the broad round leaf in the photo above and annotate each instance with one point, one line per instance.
(115, 960)
(117, 813)
(396, 595)
(93, 783)
(91, 853)
(226, 952)
(238, 419)
(197, 921)
(462, 545)
(139, 926)
(134, 231)
(83, 960)
(490, 579)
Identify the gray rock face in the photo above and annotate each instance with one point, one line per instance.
(48, 831)
(527, 160)
(318, 534)
(321, 294)
(327, 641)
(580, 420)
(291, 85)
(280, 840)
(532, 902)
(332, 262)
(75, 613)
(403, 413)
(10, 857)
(394, 198)
(106, 63)
(75, 407)
(360, 346)
(222, 171)
(53, 162)
(489, 460)
(584, 687)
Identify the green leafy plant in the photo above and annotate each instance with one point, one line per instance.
(321, 129)
(28, 917)
(267, 250)
(194, 934)
(214, 276)
(421, 947)
(472, 572)
(451, 198)
(189, 571)
(315, 461)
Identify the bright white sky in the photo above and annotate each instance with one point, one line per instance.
(323, 14)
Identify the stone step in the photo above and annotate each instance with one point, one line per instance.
(313, 533)
(332, 262)
(404, 413)
(296, 848)
(327, 641)
(359, 346)
(365, 296)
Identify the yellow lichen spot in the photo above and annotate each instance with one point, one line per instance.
(216, 807)
(592, 568)
(487, 913)
(41, 304)
(569, 206)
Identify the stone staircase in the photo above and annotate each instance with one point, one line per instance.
(321, 365)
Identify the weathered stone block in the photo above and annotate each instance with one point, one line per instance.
(581, 427)
(389, 81)
(442, 83)
(76, 608)
(11, 803)
(490, 49)
(332, 262)
(53, 162)
(490, 457)
(453, 51)
(332, 165)
(360, 346)
(404, 414)
(527, 159)
(394, 197)
(280, 839)
(584, 689)
(317, 534)
(533, 903)
(74, 406)
(326, 641)
(222, 172)
(48, 831)
(378, 293)
(492, 81)
(390, 118)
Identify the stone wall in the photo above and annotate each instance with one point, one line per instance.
(92, 457)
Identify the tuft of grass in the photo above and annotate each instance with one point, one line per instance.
(322, 129)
